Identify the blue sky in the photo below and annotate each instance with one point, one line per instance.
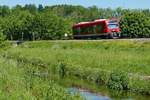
(100, 3)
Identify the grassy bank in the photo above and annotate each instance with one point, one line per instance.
(118, 64)
(22, 81)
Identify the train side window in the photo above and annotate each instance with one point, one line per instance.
(76, 30)
(99, 28)
(91, 30)
(94, 29)
(84, 30)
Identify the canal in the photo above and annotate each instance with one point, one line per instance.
(91, 91)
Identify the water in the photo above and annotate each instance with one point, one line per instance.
(87, 94)
(97, 96)
(91, 91)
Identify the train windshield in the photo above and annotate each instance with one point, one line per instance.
(111, 26)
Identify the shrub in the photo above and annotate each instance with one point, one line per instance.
(2, 38)
(61, 69)
(118, 81)
(135, 25)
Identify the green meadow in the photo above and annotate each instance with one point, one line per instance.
(127, 56)
(121, 65)
(17, 81)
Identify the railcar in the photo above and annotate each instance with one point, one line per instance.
(107, 28)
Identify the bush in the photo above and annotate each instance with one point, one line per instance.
(135, 25)
(118, 81)
(2, 38)
(61, 69)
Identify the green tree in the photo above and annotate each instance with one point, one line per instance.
(40, 7)
(52, 22)
(135, 25)
(2, 38)
(15, 26)
(31, 8)
(4, 11)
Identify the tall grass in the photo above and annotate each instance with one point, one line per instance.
(91, 60)
(128, 56)
(19, 81)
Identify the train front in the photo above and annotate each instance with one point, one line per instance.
(113, 27)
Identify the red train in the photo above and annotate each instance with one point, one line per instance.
(107, 28)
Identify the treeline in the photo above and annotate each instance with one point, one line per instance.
(52, 22)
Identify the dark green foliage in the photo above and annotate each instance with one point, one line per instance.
(2, 38)
(4, 11)
(31, 23)
(40, 7)
(61, 69)
(135, 25)
(118, 80)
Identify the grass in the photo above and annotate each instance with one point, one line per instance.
(19, 81)
(103, 62)
(128, 56)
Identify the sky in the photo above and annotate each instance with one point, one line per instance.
(132, 4)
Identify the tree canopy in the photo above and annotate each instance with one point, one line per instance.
(52, 22)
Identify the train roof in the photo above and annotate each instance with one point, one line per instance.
(89, 23)
(110, 21)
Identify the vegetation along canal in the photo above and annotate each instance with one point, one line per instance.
(91, 91)
(68, 51)
(95, 70)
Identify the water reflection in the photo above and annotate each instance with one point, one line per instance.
(87, 94)
(91, 91)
